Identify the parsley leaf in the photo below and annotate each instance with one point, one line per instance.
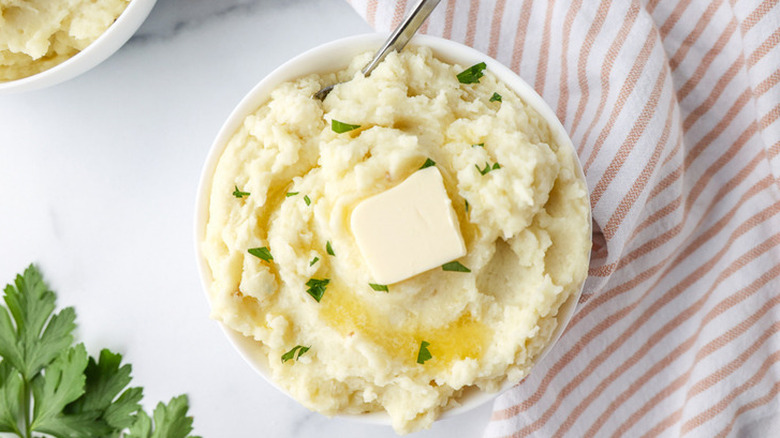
(105, 380)
(341, 127)
(472, 74)
(313, 261)
(238, 193)
(299, 349)
(379, 287)
(50, 386)
(30, 346)
(307, 200)
(289, 194)
(11, 393)
(262, 253)
(423, 354)
(487, 168)
(455, 266)
(317, 287)
(329, 249)
(428, 163)
(495, 98)
(170, 421)
(62, 383)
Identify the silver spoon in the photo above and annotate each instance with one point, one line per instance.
(398, 39)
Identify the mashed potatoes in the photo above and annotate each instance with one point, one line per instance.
(288, 183)
(36, 35)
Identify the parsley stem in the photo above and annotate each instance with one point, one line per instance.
(27, 395)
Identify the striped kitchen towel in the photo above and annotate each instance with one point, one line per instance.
(673, 106)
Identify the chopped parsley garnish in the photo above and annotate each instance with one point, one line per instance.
(306, 199)
(423, 354)
(288, 194)
(467, 205)
(341, 127)
(472, 74)
(50, 385)
(329, 249)
(481, 145)
(295, 353)
(261, 253)
(313, 261)
(317, 287)
(239, 194)
(455, 266)
(487, 168)
(379, 287)
(495, 97)
(428, 163)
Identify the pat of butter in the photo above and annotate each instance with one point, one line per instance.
(408, 229)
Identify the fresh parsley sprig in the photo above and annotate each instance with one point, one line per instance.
(50, 386)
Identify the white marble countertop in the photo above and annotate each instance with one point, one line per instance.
(97, 187)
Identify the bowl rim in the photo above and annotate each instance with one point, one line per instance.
(102, 48)
(301, 65)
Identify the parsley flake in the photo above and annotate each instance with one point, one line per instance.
(423, 354)
(341, 127)
(238, 193)
(306, 199)
(472, 74)
(289, 194)
(313, 261)
(379, 287)
(495, 97)
(481, 145)
(295, 353)
(262, 253)
(317, 287)
(428, 163)
(488, 168)
(467, 205)
(329, 249)
(455, 266)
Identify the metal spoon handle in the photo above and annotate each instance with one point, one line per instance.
(403, 33)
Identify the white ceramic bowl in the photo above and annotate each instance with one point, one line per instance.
(332, 57)
(109, 42)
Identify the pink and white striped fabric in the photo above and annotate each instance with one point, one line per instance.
(673, 106)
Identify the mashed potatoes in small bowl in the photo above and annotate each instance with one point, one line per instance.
(403, 250)
(45, 42)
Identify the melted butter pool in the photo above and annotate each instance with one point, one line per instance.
(464, 337)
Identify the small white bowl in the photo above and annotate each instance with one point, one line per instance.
(329, 58)
(109, 42)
